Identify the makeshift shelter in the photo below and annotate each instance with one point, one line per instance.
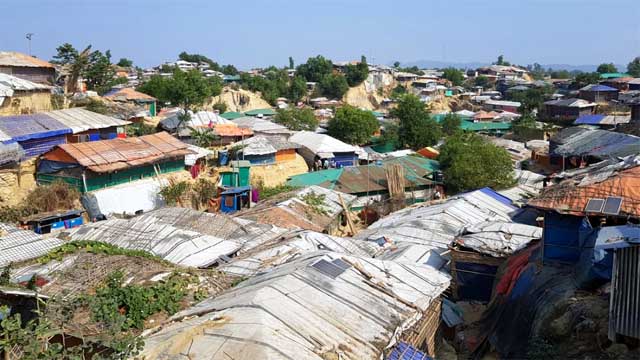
(27, 67)
(575, 145)
(100, 164)
(598, 93)
(182, 236)
(312, 208)
(260, 112)
(262, 127)
(235, 199)
(259, 150)
(323, 147)
(125, 199)
(132, 96)
(17, 245)
(602, 120)
(358, 308)
(230, 133)
(52, 221)
(10, 154)
(429, 152)
(36, 134)
(87, 125)
(19, 96)
(476, 256)
(174, 123)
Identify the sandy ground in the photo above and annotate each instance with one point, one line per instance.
(239, 100)
(277, 174)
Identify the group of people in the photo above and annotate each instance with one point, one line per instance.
(323, 164)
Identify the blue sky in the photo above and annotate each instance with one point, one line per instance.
(258, 33)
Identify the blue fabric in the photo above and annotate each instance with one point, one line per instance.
(404, 351)
(223, 157)
(94, 137)
(50, 167)
(261, 159)
(601, 88)
(503, 199)
(475, 281)
(35, 126)
(38, 146)
(564, 237)
(524, 283)
(344, 159)
(589, 119)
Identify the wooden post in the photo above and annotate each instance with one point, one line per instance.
(346, 214)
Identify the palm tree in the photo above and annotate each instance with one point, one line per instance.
(203, 137)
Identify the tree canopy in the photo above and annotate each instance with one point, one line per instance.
(584, 79)
(94, 66)
(481, 80)
(417, 129)
(352, 125)
(297, 119)
(451, 124)
(124, 62)
(315, 69)
(454, 75)
(634, 67)
(607, 68)
(501, 61)
(531, 99)
(356, 74)
(333, 86)
(297, 89)
(469, 162)
(184, 89)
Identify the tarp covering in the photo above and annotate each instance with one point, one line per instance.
(499, 239)
(142, 195)
(26, 127)
(565, 236)
(10, 153)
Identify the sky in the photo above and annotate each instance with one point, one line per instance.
(251, 33)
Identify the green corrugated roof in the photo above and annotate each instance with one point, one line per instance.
(613, 75)
(325, 178)
(230, 115)
(257, 112)
(484, 126)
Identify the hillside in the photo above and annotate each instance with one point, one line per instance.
(240, 100)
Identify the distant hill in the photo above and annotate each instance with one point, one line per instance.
(432, 64)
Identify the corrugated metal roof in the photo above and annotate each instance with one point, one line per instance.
(601, 119)
(18, 245)
(116, 154)
(256, 112)
(260, 125)
(79, 119)
(12, 152)
(598, 88)
(27, 127)
(301, 311)
(272, 254)
(9, 84)
(12, 58)
(181, 236)
(595, 142)
(197, 119)
(320, 143)
(231, 129)
(436, 226)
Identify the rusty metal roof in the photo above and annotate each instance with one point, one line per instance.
(12, 58)
(128, 94)
(116, 154)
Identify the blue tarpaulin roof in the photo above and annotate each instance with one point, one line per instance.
(616, 237)
(236, 190)
(503, 199)
(27, 127)
(590, 119)
(599, 88)
(404, 351)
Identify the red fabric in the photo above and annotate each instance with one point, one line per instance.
(515, 266)
(195, 171)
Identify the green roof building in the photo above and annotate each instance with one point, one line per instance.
(263, 112)
(232, 115)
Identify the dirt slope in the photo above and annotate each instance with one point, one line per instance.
(240, 100)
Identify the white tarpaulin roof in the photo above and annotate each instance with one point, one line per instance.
(311, 308)
(198, 119)
(499, 239)
(320, 143)
(181, 236)
(129, 198)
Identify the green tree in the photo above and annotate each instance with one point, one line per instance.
(531, 99)
(559, 74)
(203, 137)
(501, 61)
(583, 79)
(333, 86)
(229, 70)
(398, 91)
(537, 71)
(352, 125)
(197, 58)
(65, 54)
(607, 68)
(451, 124)
(356, 74)
(481, 80)
(184, 89)
(100, 74)
(417, 129)
(291, 63)
(469, 162)
(634, 67)
(297, 119)
(297, 89)
(124, 62)
(220, 106)
(315, 69)
(396, 64)
(454, 75)
(390, 135)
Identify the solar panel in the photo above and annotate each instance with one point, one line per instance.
(341, 264)
(594, 205)
(330, 269)
(612, 205)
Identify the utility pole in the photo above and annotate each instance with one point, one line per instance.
(29, 36)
